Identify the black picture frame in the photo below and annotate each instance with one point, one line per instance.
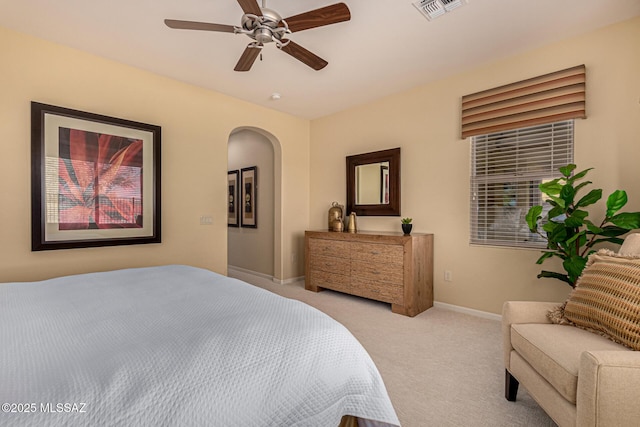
(95, 180)
(233, 213)
(249, 197)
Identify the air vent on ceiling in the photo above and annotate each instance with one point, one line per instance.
(432, 9)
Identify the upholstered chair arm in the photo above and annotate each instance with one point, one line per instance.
(609, 389)
(522, 312)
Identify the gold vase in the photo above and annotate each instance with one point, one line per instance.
(352, 227)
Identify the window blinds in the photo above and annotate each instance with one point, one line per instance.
(506, 169)
(549, 98)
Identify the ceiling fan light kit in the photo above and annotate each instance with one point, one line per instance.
(265, 25)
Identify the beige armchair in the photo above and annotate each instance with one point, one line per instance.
(579, 378)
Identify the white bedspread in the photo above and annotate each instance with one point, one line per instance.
(177, 346)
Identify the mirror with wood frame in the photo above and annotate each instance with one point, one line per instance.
(373, 183)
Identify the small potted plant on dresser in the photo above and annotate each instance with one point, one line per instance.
(406, 225)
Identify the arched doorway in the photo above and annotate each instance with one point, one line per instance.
(258, 250)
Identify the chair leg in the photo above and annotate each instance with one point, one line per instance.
(510, 386)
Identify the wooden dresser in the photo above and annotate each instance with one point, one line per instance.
(389, 267)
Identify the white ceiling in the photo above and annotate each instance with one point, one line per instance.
(386, 47)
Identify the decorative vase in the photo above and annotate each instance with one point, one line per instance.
(335, 214)
(352, 227)
(406, 228)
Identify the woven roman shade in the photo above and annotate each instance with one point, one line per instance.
(545, 99)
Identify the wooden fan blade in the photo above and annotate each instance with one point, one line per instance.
(303, 55)
(248, 57)
(327, 15)
(250, 6)
(191, 25)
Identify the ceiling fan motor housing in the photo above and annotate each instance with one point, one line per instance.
(271, 17)
(262, 28)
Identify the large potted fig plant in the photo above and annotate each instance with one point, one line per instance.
(570, 235)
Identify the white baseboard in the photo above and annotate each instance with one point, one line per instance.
(465, 310)
(241, 273)
(251, 276)
(289, 281)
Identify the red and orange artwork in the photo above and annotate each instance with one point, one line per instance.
(99, 181)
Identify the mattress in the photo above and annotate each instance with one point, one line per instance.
(177, 345)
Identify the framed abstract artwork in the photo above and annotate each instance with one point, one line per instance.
(233, 214)
(95, 180)
(249, 188)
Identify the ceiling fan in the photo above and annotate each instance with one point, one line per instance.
(265, 25)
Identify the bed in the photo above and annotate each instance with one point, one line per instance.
(177, 345)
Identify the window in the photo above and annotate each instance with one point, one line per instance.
(506, 169)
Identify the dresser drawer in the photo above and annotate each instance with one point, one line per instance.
(377, 290)
(324, 279)
(329, 248)
(376, 253)
(330, 264)
(378, 272)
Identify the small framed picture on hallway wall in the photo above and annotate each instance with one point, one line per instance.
(248, 191)
(233, 217)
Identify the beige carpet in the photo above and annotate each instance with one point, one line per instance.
(441, 368)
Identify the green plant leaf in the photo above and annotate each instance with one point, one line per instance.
(574, 266)
(576, 219)
(575, 237)
(545, 255)
(555, 212)
(556, 233)
(577, 243)
(580, 175)
(589, 199)
(616, 240)
(627, 220)
(615, 202)
(532, 218)
(567, 194)
(553, 275)
(550, 226)
(592, 227)
(557, 250)
(550, 188)
(566, 170)
(581, 185)
(612, 231)
(557, 201)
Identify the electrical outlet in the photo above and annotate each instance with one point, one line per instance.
(206, 220)
(448, 276)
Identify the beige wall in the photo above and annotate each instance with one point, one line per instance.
(425, 122)
(196, 125)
